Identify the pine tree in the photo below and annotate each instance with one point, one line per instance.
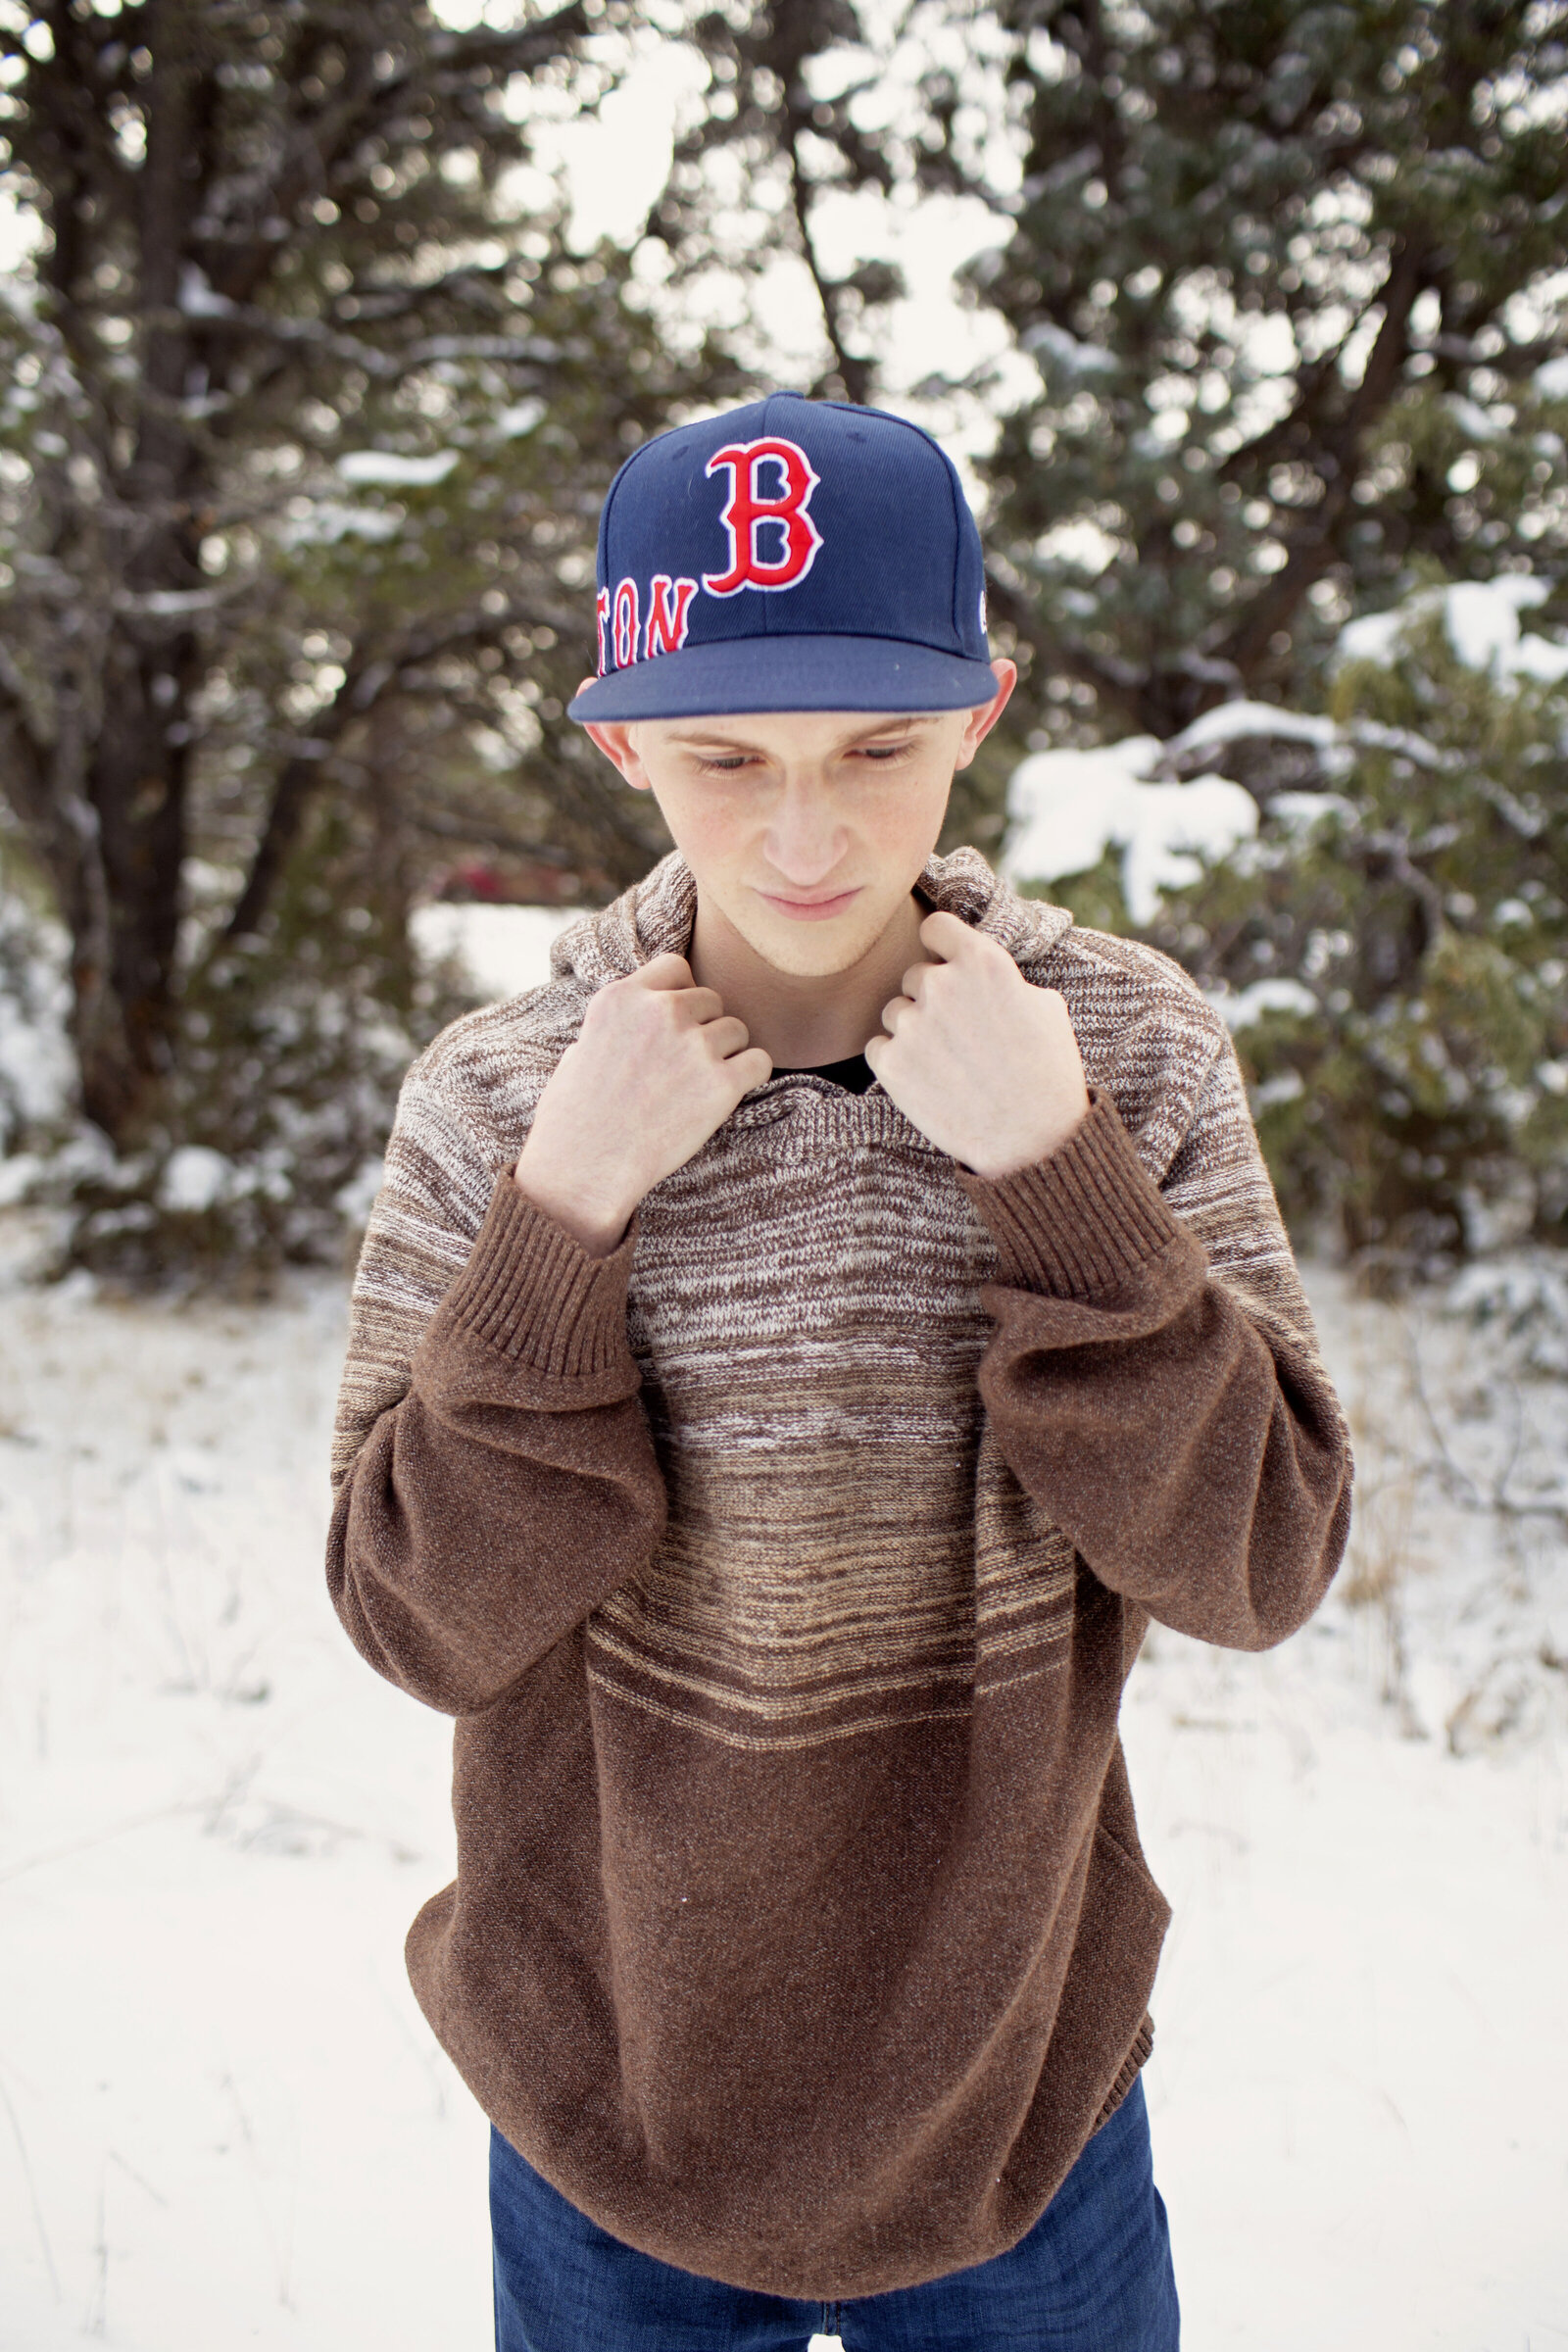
(763, 111)
(309, 419)
(1292, 282)
(1392, 948)
(1287, 277)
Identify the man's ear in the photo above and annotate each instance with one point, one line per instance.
(982, 721)
(615, 741)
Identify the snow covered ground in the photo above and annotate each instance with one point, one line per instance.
(223, 2121)
(505, 949)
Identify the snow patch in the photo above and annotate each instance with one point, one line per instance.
(1055, 348)
(1540, 657)
(1230, 723)
(504, 950)
(1068, 807)
(388, 466)
(1299, 812)
(512, 424)
(37, 1074)
(1525, 1298)
(1245, 1007)
(1472, 418)
(195, 1179)
(355, 1200)
(37, 1069)
(1287, 1086)
(198, 299)
(1482, 620)
(331, 520)
(1375, 636)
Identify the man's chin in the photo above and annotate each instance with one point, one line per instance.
(805, 950)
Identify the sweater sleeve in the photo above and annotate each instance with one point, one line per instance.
(1153, 1377)
(494, 1475)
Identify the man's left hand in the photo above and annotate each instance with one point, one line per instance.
(977, 1059)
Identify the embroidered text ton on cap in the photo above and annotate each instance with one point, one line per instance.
(792, 555)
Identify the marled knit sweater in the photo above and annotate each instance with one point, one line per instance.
(783, 1571)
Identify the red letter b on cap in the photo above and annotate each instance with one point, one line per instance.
(749, 509)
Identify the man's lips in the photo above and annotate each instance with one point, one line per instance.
(811, 910)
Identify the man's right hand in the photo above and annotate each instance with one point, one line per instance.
(656, 1067)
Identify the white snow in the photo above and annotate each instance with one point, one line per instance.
(198, 299)
(221, 2106)
(1299, 812)
(37, 1071)
(1536, 657)
(512, 424)
(1055, 348)
(1471, 419)
(1482, 621)
(223, 2120)
(1373, 636)
(504, 949)
(355, 1200)
(389, 467)
(1241, 1009)
(1551, 379)
(1286, 1086)
(1482, 617)
(331, 521)
(1228, 722)
(1066, 806)
(194, 1178)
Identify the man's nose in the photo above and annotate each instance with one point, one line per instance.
(806, 837)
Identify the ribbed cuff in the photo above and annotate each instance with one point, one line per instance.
(1078, 1223)
(533, 1293)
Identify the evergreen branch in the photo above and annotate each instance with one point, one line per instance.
(1295, 428)
(463, 827)
(521, 51)
(368, 675)
(1314, 546)
(369, 100)
(480, 283)
(243, 320)
(1115, 681)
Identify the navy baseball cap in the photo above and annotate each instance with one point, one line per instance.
(792, 555)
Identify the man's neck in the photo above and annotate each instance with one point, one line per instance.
(806, 1020)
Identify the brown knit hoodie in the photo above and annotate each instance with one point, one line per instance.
(783, 1571)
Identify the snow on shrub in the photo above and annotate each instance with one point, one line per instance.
(1389, 940)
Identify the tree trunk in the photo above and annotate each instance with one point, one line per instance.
(136, 772)
(136, 786)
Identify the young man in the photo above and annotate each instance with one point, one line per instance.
(796, 1352)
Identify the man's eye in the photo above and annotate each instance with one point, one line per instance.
(725, 766)
(883, 753)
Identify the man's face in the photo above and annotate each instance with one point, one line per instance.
(804, 829)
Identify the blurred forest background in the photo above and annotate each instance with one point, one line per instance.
(325, 326)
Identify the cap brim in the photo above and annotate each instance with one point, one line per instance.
(788, 673)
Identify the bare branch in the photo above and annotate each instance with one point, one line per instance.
(855, 372)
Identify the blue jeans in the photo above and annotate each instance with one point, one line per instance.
(1094, 2275)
